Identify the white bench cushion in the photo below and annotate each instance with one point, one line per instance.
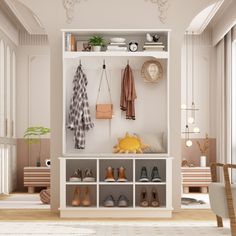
(218, 201)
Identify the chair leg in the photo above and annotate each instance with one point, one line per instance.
(219, 221)
(233, 226)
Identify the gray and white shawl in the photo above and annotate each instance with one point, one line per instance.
(79, 119)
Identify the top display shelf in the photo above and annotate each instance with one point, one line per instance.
(115, 43)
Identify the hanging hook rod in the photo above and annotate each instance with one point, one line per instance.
(104, 64)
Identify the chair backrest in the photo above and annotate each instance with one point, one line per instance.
(218, 200)
(222, 195)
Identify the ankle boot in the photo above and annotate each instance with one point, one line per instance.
(109, 175)
(143, 198)
(121, 174)
(154, 198)
(87, 200)
(76, 197)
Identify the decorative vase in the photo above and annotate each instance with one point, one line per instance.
(96, 48)
(203, 161)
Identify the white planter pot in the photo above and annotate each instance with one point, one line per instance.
(203, 161)
(96, 48)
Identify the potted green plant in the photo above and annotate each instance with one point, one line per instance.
(96, 42)
(33, 136)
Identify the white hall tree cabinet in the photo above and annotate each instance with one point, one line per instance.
(152, 116)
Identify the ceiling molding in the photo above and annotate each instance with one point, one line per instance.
(30, 22)
(163, 6)
(69, 6)
(19, 16)
(203, 21)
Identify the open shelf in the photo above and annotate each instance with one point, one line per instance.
(81, 183)
(116, 183)
(155, 54)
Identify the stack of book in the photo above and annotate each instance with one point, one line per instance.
(70, 42)
(117, 47)
(153, 46)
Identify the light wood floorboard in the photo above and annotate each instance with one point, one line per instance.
(47, 215)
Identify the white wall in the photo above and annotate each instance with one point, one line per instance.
(204, 85)
(107, 14)
(33, 87)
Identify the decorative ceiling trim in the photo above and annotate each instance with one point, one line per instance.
(163, 6)
(69, 6)
(19, 16)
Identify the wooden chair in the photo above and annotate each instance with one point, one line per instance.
(221, 196)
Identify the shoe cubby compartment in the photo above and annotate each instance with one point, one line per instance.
(116, 164)
(115, 191)
(150, 164)
(161, 191)
(73, 165)
(70, 195)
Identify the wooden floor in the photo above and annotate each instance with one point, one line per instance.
(47, 215)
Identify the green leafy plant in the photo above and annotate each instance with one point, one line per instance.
(97, 41)
(34, 135)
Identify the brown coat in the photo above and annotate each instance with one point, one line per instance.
(128, 93)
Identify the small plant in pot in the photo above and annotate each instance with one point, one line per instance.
(97, 42)
(33, 135)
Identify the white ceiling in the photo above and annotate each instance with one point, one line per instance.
(32, 24)
(201, 20)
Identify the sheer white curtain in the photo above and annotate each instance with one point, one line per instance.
(234, 101)
(226, 100)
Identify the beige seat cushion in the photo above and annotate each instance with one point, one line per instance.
(218, 201)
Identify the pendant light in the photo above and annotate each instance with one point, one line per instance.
(193, 111)
(190, 120)
(188, 141)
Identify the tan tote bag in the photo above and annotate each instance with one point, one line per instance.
(105, 110)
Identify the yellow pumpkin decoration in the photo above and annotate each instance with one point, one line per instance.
(129, 144)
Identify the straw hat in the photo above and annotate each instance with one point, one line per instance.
(152, 71)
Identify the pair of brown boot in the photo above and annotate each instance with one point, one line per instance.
(144, 198)
(86, 201)
(121, 176)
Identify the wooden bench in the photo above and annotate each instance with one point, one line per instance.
(36, 177)
(196, 177)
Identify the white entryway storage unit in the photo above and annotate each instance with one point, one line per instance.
(152, 115)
